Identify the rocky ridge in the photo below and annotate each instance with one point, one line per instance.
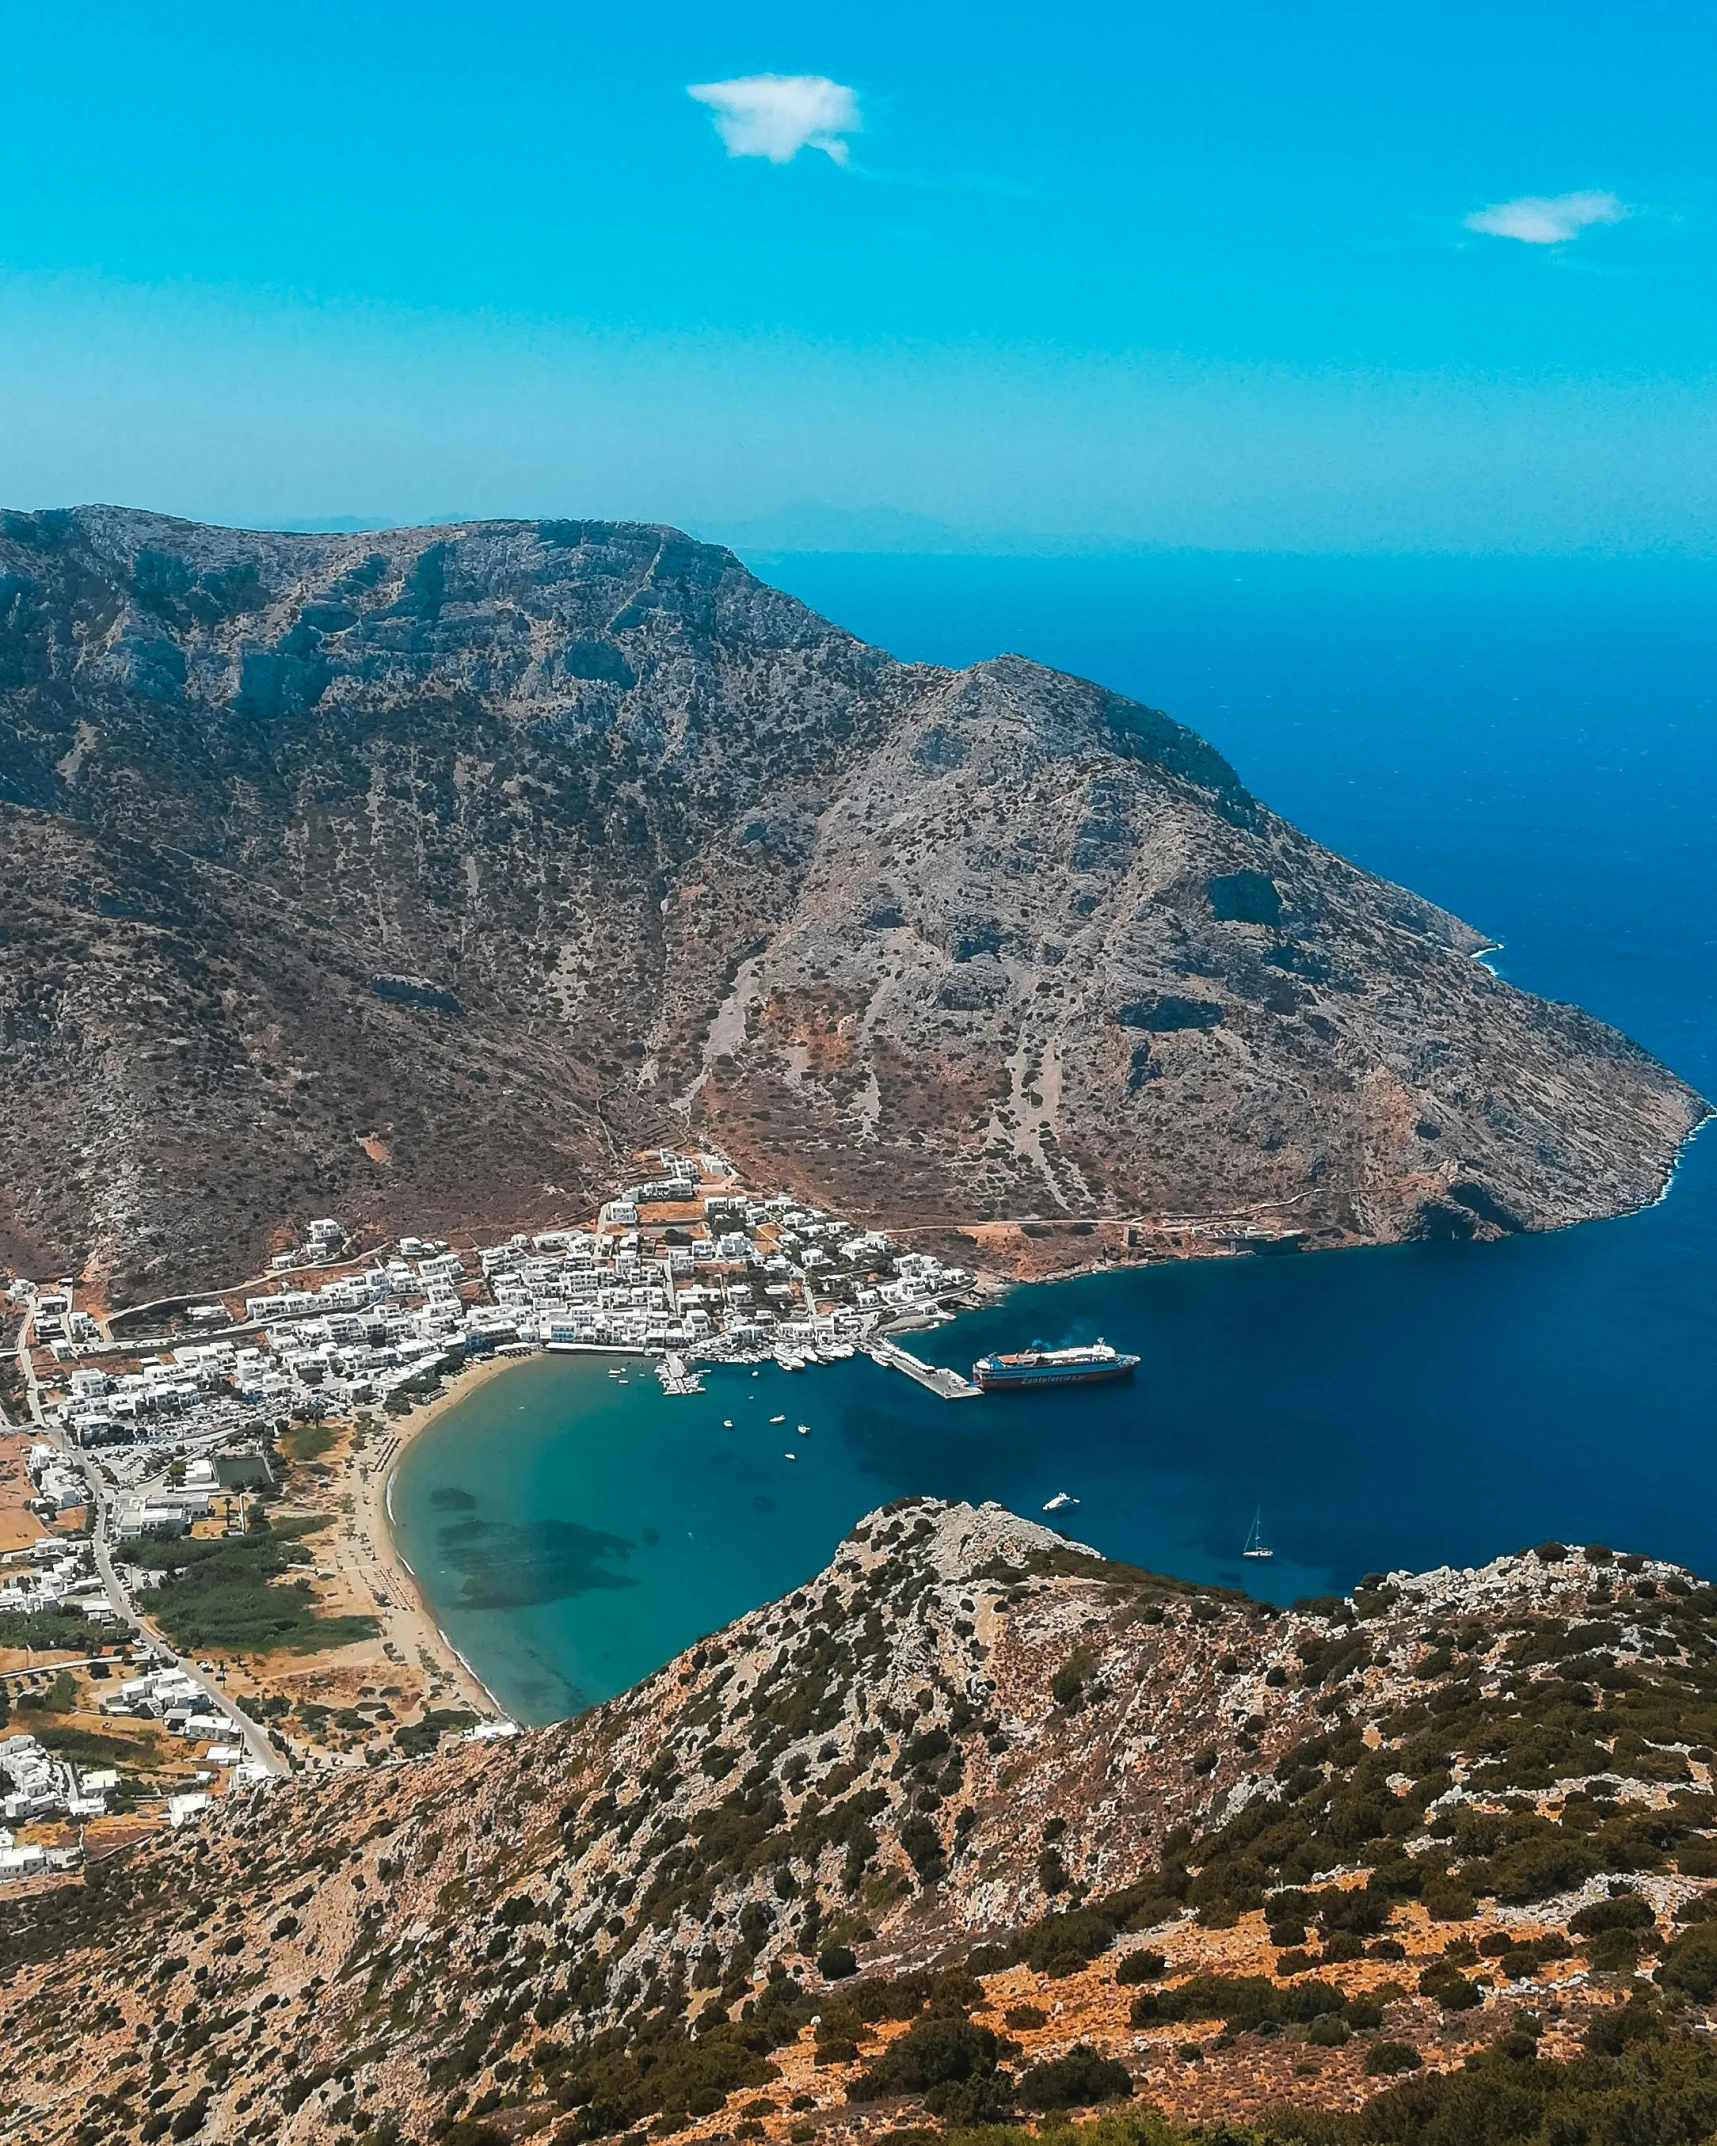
(415, 876)
(974, 1820)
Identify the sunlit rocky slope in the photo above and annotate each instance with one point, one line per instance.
(973, 1823)
(410, 876)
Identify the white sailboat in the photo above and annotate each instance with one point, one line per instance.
(1061, 1501)
(1255, 1541)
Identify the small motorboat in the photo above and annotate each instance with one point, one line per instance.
(727, 1423)
(789, 1456)
(778, 1419)
(804, 1429)
(1060, 1502)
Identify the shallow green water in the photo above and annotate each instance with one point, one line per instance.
(574, 1530)
(1408, 1407)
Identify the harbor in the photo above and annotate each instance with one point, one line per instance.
(934, 1378)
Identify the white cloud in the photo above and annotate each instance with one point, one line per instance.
(778, 115)
(1547, 220)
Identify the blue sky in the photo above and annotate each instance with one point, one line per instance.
(1190, 275)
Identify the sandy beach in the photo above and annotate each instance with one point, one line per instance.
(371, 1559)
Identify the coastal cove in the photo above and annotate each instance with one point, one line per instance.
(1407, 1407)
(1530, 743)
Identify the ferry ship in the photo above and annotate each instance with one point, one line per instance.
(1038, 1366)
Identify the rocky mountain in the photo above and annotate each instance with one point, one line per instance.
(415, 876)
(975, 1823)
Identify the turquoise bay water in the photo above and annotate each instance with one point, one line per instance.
(1533, 746)
(1404, 1407)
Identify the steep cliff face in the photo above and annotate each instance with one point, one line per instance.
(969, 1768)
(417, 875)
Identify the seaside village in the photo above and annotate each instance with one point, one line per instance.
(55, 1780)
(682, 1266)
(146, 1427)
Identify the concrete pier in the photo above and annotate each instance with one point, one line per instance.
(949, 1384)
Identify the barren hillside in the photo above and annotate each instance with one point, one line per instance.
(412, 876)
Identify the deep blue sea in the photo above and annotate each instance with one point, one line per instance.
(1532, 744)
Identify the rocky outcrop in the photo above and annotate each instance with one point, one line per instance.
(413, 876)
(970, 1767)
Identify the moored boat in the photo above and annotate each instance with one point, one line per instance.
(1083, 1365)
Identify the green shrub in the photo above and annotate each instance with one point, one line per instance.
(1067, 1686)
(1645, 2087)
(1449, 1987)
(1077, 2080)
(1146, 1966)
(930, 2052)
(1361, 1912)
(1448, 1900)
(1061, 1944)
(1623, 1911)
(1384, 2060)
(1690, 1964)
(417, 1738)
(923, 1846)
(1535, 1869)
(986, 2098)
(1244, 2002)
(191, 2118)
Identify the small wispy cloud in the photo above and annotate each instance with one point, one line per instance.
(775, 116)
(1547, 219)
